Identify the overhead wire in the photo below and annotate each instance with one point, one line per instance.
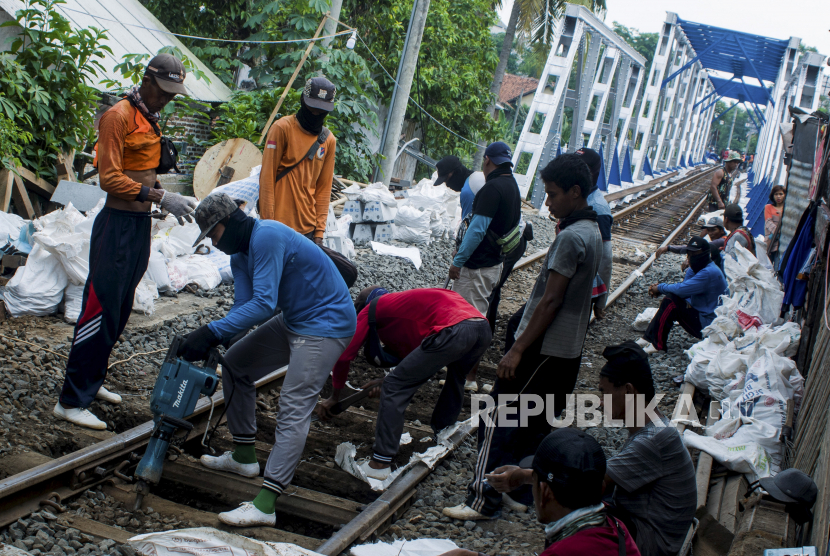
(248, 41)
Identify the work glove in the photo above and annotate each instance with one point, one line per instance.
(197, 344)
(178, 206)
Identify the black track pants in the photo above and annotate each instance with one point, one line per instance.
(119, 252)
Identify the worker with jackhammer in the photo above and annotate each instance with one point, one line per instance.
(128, 157)
(272, 266)
(424, 330)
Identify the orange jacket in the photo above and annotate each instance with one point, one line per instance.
(126, 141)
(300, 200)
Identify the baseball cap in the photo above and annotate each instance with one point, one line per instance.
(792, 486)
(169, 73)
(714, 222)
(592, 159)
(697, 244)
(319, 93)
(568, 456)
(445, 166)
(499, 153)
(734, 213)
(212, 210)
(733, 155)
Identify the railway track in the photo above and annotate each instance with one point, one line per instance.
(325, 509)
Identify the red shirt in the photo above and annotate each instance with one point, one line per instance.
(403, 321)
(596, 541)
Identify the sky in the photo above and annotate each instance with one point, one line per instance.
(809, 21)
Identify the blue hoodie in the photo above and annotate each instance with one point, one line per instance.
(284, 269)
(701, 290)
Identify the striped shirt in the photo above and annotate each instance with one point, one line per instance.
(655, 480)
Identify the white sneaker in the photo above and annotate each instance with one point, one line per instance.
(379, 474)
(464, 513)
(107, 396)
(642, 342)
(247, 515)
(486, 388)
(649, 349)
(470, 386)
(225, 462)
(512, 504)
(79, 416)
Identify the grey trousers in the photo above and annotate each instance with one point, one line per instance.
(310, 360)
(457, 347)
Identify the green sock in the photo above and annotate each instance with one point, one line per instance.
(265, 501)
(244, 453)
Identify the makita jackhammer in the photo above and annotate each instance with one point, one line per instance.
(175, 394)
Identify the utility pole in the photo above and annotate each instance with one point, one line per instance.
(735, 117)
(400, 96)
(330, 28)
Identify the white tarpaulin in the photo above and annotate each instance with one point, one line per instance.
(206, 540)
(417, 547)
(411, 254)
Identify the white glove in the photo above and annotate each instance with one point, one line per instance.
(178, 206)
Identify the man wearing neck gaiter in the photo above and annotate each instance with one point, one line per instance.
(690, 303)
(272, 266)
(298, 164)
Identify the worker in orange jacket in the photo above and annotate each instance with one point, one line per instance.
(128, 156)
(298, 164)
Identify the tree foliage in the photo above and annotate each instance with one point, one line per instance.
(45, 81)
(743, 126)
(644, 43)
(12, 141)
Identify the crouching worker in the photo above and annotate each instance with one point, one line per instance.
(272, 266)
(651, 480)
(566, 476)
(690, 303)
(423, 330)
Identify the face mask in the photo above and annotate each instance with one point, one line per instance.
(698, 262)
(308, 121)
(237, 234)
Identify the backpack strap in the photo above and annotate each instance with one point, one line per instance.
(321, 139)
(372, 308)
(620, 536)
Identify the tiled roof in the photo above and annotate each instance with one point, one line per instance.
(514, 86)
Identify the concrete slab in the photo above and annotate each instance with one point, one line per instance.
(83, 196)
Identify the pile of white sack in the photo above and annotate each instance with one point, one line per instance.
(428, 212)
(744, 363)
(58, 264)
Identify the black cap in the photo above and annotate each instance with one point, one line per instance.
(697, 244)
(319, 93)
(499, 153)
(592, 159)
(444, 166)
(791, 486)
(168, 72)
(733, 213)
(569, 456)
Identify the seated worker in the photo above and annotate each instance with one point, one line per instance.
(545, 357)
(738, 233)
(461, 179)
(713, 228)
(427, 329)
(596, 200)
(273, 266)
(566, 475)
(650, 483)
(652, 478)
(691, 303)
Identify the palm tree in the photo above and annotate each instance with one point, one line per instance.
(535, 19)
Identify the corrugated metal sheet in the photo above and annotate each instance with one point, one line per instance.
(798, 185)
(123, 20)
